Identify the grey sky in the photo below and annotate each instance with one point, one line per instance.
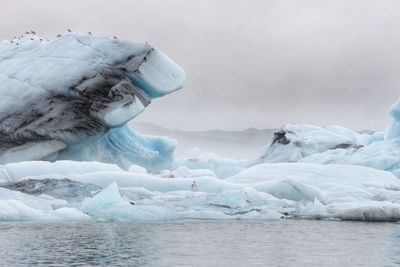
(249, 63)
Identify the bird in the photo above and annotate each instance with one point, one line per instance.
(115, 37)
(89, 33)
(33, 32)
(69, 30)
(58, 35)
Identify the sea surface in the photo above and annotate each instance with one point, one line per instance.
(200, 243)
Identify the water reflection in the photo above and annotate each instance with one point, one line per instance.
(201, 243)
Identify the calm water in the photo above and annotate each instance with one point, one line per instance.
(201, 243)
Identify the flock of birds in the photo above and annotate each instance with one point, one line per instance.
(41, 39)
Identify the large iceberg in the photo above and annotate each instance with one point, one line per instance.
(66, 152)
(58, 97)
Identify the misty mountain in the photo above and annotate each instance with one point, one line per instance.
(231, 144)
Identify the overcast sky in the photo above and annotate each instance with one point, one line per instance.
(249, 63)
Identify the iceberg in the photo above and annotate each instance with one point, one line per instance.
(382, 155)
(393, 129)
(332, 145)
(67, 153)
(293, 142)
(60, 96)
(268, 191)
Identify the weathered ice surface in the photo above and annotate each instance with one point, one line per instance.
(58, 188)
(123, 146)
(62, 94)
(393, 129)
(332, 145)
(295, 142)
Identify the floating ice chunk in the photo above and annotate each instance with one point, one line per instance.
(182, 172)
(136, 193)
(202, 172)
(392, 130)
(137, 169)
(70, 214)
(333, 181)
(16, 171)
(109, 205)
(292, 190)
(382, 155)
(230, 198)
(16, 206)
(15, 210)
(154, 183)
(383, 212)
(107, 198)
(185, 172)
(293, 142)
(221, 168)
(34, 202)
(395, 110)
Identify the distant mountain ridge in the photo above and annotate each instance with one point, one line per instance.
(231, 144)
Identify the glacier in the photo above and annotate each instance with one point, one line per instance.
(67, 152)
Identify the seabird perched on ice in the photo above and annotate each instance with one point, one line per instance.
(89, 32)
(58, 35)
(115, 37)
(69, 30)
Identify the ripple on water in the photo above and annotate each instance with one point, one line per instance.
(201, 243)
